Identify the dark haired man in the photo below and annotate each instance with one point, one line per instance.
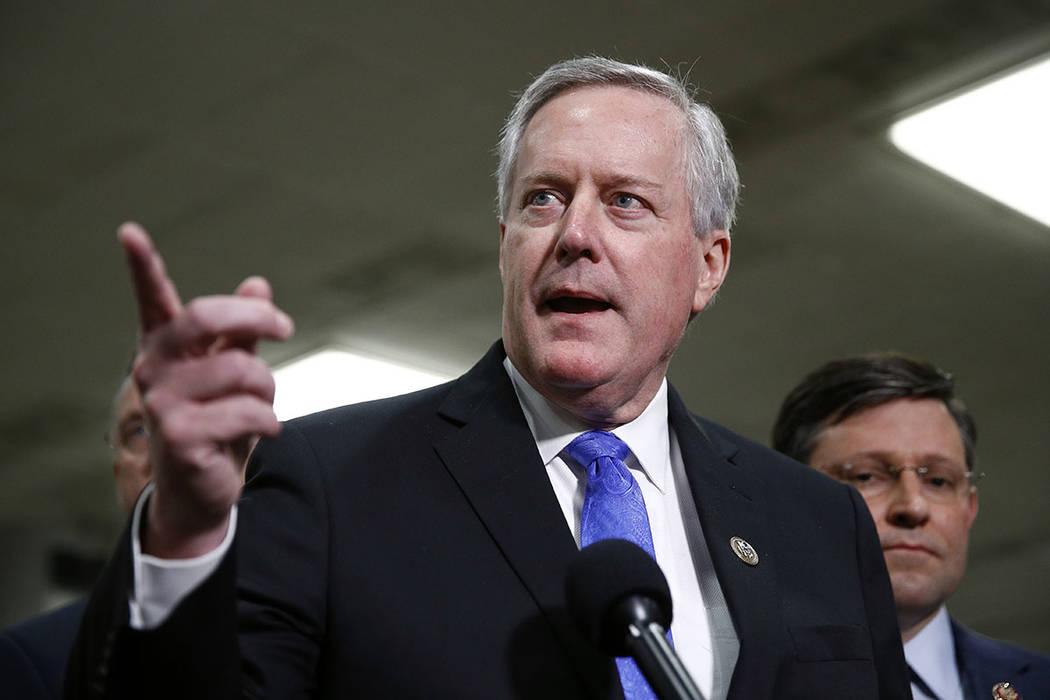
(892, 426)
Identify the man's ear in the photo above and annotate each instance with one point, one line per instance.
(713, 249)
(502, 235)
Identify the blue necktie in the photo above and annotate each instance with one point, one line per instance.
(613, 508)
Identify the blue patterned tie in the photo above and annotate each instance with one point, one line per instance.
(613, 508)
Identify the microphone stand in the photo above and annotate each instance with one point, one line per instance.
(647, 642)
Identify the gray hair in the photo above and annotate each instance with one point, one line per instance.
(711, 175)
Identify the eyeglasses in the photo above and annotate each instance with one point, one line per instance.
(131, 437)
(940, 481)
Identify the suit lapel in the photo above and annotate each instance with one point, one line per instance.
(729, 501)
(983, 664)
(968, 672)
(494, 460)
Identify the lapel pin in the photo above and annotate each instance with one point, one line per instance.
(744, 551)
(1005, 691)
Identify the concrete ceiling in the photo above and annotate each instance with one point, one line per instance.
(345, 153)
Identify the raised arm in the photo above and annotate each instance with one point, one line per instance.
(205, 394)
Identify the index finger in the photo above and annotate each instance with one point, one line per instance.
(158, 300)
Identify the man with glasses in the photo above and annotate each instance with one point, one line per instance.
(892, 427)
(33, 653)
(128, 439)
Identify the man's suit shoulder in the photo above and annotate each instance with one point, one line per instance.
(985, 661)
(33, 653)
(370, 417)
(765, 463)
(337, 435)
(427, 413)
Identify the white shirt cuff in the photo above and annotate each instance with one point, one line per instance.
(161, 584)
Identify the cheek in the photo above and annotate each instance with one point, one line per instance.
(878, 514)
(513, 287)
(138, 467)
(674, 274)
(956, 535)
(506, 266)
(520, 265)
(510, 256)
(515, 294)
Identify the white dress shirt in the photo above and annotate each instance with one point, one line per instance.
(931, 654)
(700, 612)
(159, 585)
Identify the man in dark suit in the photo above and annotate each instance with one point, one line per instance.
(33, 653)
(892, 426)
(418, 546)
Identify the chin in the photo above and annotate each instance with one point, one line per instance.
(572, 371)
(585, 358)
(912, 591)
(564, 363)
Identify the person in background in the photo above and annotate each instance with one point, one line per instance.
(33, 653)
(892, 426)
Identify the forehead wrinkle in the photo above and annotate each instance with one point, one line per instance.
(580, 120)
(893, 456)
(622, 152)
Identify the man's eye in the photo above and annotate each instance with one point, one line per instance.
(541, 198)
(133, 436)
(626, 201)
(868, 474)
(941, 482)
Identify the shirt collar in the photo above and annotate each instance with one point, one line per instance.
(553, 428)
(931, 653)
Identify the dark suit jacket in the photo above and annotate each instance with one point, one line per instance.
(33, 653)
(984, 662)
(413, 547)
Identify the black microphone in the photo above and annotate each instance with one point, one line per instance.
(621, 602)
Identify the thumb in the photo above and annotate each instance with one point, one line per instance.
(256, 287)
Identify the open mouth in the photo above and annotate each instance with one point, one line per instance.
(577, 305)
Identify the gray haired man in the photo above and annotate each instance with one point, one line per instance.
(418, 546)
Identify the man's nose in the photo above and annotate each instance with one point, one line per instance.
(581, 235)
(908, 506)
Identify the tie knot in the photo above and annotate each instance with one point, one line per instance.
(597, 443)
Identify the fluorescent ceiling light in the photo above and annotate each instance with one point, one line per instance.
(334, 377)
(994, 138)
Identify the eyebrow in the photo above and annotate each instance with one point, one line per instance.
(544, 177)
(924, 459)
(631, 181)
(133, 417)
(616, 181)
